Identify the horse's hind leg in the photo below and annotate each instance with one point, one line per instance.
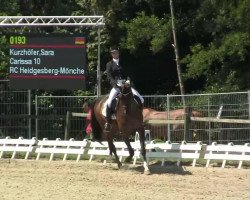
(130, 149)
(113, 150)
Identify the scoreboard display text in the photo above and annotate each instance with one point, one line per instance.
(47, 62)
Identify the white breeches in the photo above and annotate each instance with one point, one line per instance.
(115, 91)
(137, 94)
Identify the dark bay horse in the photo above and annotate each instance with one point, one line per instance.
(129, 119)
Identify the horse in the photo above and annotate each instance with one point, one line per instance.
(129, 119)
(150, 114)
(161, 129)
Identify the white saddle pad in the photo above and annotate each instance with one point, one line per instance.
(104, 106)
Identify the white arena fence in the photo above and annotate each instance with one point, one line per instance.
(17, 145)
(177, 151)
(159, 151)
(60, 147)
(97, 149)
(228, 152)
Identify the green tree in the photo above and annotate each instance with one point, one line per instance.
(213, 39)
(146, 30)
(222, 60)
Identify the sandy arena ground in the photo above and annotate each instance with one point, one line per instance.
(44, 180)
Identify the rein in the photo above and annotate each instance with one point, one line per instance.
(125, 94)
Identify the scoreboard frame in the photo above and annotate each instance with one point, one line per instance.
(41, 61)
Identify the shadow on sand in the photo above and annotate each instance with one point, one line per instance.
(168, 168)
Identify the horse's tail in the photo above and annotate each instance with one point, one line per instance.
(96, 128)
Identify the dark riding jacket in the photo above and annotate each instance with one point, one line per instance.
(114, 72)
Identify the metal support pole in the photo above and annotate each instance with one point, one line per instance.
(98, 65)
(67, 125)
(36, 116)
(168, 117)
(29, 112)
(209, 123)
(249, 104)
(187, 122)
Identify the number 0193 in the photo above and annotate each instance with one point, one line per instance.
(17, 40)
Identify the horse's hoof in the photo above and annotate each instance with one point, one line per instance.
(147, 172)
(109, 159)
(119, 165)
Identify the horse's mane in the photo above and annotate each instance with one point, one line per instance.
(96, 128)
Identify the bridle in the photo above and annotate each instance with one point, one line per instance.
(126, 93)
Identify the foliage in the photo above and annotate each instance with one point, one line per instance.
(223, 61)
(213, 39)
(3, 58)
(150, 30)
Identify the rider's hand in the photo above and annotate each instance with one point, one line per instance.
(127, 82)
(120, 83)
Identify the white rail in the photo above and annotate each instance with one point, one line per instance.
(162, 151)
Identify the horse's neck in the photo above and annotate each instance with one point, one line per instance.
(125, 102)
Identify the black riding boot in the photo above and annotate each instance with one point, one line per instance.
(138, 101)
(107, 125)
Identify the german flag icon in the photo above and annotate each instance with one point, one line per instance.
(80, 40)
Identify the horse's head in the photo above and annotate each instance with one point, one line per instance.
(125, 96)
(126, 90)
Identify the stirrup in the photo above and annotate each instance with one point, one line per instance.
(140, 105)
(107, 126)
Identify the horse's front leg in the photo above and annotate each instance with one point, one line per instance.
(112, 149)
(130, 149)
(143, 149)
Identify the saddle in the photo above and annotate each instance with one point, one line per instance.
(113, 106)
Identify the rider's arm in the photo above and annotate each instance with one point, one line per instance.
(109, 74)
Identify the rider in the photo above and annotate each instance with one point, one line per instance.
(115, 72)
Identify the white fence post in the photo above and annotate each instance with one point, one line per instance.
(39, 153)
(224, 161)
(243, 153)
(210, 153)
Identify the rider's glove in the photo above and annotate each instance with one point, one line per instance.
(127, 82)
(120, 83)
